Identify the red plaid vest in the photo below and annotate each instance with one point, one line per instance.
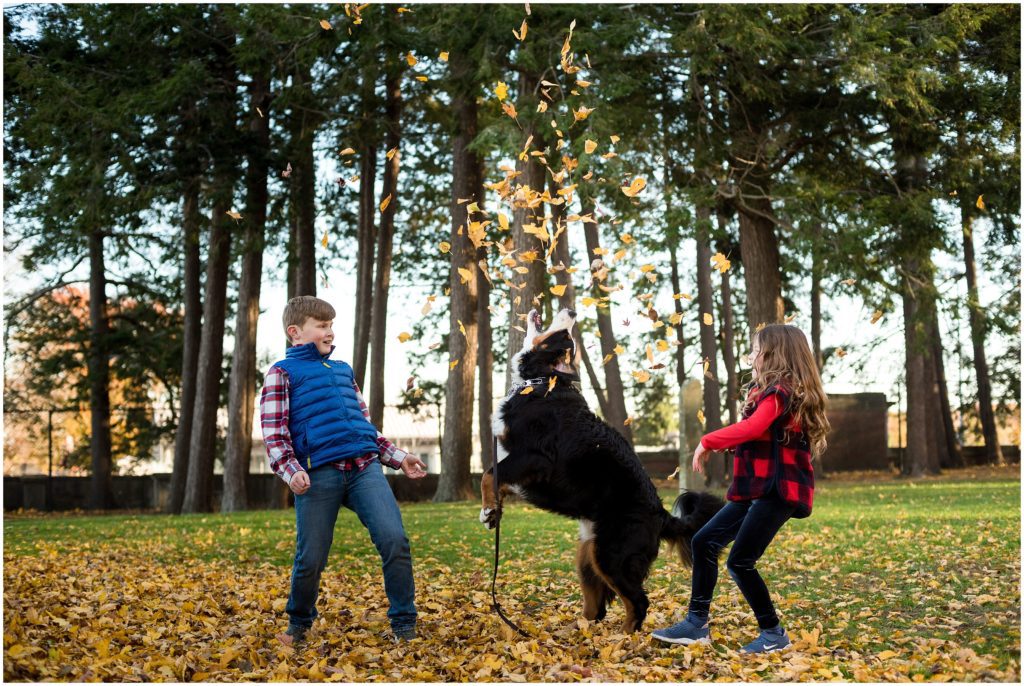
(781, 464)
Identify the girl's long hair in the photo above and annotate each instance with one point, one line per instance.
(786, 361)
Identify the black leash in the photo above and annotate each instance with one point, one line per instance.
(497, 543)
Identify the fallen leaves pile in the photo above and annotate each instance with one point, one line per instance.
(867, 592)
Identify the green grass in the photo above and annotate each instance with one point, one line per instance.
(877, 564)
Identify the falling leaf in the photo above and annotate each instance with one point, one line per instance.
(633, 189)
(980, 204)
(700, 417)
(684, 296)
(582, 113)
(526, 391)
(789, 318)
(462, 329)
(675, 318)
(642, 376)
(404, 336)
(325, 25)
(840, 352)
(619, 350)
(391, 153)
(323, 241)
(410, 382)
(403, 10)
(443, 56)
(445, 246)
(348, 151)
(760, 325)
(287, 171)
(614, 139)
(629, 420)
(234, 215)
(627, 238)
(260, 112)
(509, 109)
(411, 59)
(559, 290)
(674, 473)
(501, 91)
(720, 262)
(662, 345)
(876, 316)
(452, 365)
(650, 354)
(551, 383)
(385, 202)
(465, 274)
(521, 34)
(708, 320)
(607, 358)
(848, 282)
(589, 146)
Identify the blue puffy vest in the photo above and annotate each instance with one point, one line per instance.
(324, 417)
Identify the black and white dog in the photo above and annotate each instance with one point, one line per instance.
(558, 455)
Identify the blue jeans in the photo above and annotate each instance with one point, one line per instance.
(753, 525)
(368, 494)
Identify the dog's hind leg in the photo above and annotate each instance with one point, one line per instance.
(625, 567)
(596, 593)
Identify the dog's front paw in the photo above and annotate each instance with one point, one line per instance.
(489, 517)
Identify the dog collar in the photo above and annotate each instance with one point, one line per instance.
(540, 381)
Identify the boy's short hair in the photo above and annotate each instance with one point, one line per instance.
(304, 307)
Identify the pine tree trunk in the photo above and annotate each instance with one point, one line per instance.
(728, 338)
(203, 442)
(365, 261)
(191, 218)
(616, 392)
(457, 442)
(101, 494)
(485, 336)
(976, 317)
(916, 459)
(595, 382)
(761, 265)
(385, 243)
(688, 479)
(952, 456)
(708, 344)
(816, 271)
(304, 185)
(242, 395)
(524, 298)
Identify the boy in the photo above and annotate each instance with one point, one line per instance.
(321, 443)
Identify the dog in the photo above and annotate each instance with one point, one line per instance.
(558, 455)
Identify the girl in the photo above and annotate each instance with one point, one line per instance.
(783, 425)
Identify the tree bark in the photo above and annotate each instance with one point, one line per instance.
(976, 318)
(617, 415)
(242, 396)
(193, 304)
(304, 124)
(457, 443)
(101, 494)
(708, 346)
(728, 338)
(524, 292)
(761, 265)
(365, 261)
(952, 456)
(385, 243)
(485, 336)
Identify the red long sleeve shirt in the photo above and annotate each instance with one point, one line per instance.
(753, 428)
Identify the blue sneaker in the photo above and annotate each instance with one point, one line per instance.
(690, 630)
(770, 641)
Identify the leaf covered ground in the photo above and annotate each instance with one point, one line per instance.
(889, 580)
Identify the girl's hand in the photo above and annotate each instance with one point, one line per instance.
(700, 456)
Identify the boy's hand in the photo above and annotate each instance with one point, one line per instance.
(413, 467)
(299, 483)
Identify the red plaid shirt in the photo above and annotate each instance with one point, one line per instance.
(274, 419)
(771, 453)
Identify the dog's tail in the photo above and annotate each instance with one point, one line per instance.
(691, 511)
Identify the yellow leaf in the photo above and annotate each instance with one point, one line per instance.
(980, 204)
(633, 189)
(526, 391)
(647, 268)
(662, 345)
(391, 153)
(588, 301)
(707, 365)
(721, 263)
(443, 56)
(503, 221)
(607, 358)
(445, 246)
(559, 290)
(700, 417)
(582, 113)
(840, 353)
(614, 139)
(886, 654)
(509, 109)
(348, 151)
(650, 354)
(789, 319)
(708, 319)
(501, 91)
(848, 282)
(466, 274)
(234, 215)
(551, 383)
(675, 318)
(453, 364)
(323, 241)
(642, 376)
(325, 25)
(404, 336)
(619, 350)
(521, 34)
(684, 296)
(385, 202)
(589, 146)
(462, 329)
(876, 316)
(411, 59)
(402, 10)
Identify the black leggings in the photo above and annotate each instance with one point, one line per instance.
(753, 525)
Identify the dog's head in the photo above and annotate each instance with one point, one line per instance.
(550, 351)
